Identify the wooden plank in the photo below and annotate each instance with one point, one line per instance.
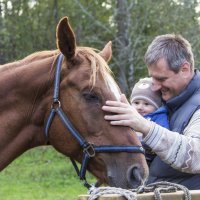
(148, 196)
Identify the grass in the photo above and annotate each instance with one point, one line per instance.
(41, 174)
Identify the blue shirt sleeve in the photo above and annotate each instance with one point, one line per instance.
(160, 117)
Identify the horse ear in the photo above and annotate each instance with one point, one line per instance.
(106, 53)
(65, 36)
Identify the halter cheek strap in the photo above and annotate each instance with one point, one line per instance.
(89, 150)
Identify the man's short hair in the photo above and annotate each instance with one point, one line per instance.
(175, 49)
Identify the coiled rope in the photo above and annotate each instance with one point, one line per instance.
(97, 192)
(157, 188)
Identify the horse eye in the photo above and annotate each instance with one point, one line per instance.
(91, 97)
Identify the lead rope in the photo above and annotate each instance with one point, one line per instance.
(94, 192)
(157, 188)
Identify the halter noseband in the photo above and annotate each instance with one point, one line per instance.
(89, 150)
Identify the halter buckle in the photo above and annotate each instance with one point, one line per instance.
(89, 150)
(142, 150)
(55, 104)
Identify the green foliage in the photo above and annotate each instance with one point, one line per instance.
(152, 18)
(27, 26)
(41, 174)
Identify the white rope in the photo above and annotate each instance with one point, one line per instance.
(165, 187)
(157, 188)
(94, 192)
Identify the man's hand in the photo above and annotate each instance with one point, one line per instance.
(126, 115)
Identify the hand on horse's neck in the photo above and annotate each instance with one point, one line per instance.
(25, 93)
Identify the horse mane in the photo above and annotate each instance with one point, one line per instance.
(39, 55)
(98, 64)
(31, 58)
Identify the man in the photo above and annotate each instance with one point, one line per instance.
(170, 63)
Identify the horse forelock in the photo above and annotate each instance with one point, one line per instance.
(99, 67)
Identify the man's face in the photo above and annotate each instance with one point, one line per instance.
(167, 81)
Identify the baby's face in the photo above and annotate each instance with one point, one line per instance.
(143, 107)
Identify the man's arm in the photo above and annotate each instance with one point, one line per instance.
(180, 151)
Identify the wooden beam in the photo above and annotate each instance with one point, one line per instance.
(179, 195)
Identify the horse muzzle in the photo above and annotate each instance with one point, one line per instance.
(130, 178)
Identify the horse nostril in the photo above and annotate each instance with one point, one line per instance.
(135, 178)
(136, 174)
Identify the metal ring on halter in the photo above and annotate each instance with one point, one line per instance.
(56, 104)
(89, 150)
(142, 150)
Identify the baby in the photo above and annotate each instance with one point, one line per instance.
(149, 104)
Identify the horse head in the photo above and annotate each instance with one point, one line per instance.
(84, 86)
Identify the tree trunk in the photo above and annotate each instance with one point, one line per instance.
(123, 44)
(55, 10)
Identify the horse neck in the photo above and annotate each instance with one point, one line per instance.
(25, 92)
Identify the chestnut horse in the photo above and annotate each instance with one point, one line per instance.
(55, 98)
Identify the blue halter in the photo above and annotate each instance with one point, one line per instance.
(89, 150)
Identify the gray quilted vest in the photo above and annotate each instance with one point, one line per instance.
(181, 109)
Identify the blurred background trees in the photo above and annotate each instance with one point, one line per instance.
(27, 26)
